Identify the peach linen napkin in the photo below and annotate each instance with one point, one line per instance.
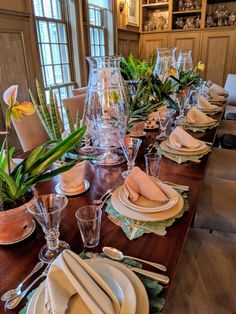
(196, 117)
(70, 275)
(180, 138)
(218, 89)
(138, 183)
(215, 96)
(203, 103)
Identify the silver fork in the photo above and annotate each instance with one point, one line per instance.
(11, 304)
(99, 201)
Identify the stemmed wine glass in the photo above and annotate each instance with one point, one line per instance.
(164, 117)
(47, 209)
(130, 147)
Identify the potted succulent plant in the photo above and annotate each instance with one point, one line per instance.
(73, 180)
(16, 185)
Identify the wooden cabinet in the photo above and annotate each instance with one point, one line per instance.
(150, 42)
(218, 54)
(128, 42)
(187, 40)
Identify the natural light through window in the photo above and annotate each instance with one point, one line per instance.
(53, 46)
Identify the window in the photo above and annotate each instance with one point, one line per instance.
(52, 32)
(100, 27)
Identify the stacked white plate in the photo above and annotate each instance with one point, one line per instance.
(145, 209)
(185, 151)
(127, 287)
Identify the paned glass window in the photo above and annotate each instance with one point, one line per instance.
(52, 34)
(97, 29)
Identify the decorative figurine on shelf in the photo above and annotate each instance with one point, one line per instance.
(180, 5)
(198, 21)
(179, 23)
(189, 23)
(232, 18)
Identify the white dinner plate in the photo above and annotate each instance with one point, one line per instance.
(167, 149)
(201, 146)
(157, 216)
(148, 206)
(118, 282)
(142, 305)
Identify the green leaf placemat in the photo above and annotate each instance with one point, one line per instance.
(200, 128)
(135, 228)
(29, 297)
(153, 287)
(181, 158)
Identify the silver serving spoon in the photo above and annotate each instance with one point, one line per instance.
(115, 254)
(11, 294)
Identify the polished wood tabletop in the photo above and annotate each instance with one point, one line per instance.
(18, 260)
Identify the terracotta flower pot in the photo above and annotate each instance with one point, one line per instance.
(72, 181)
(137, 129)
(16, 223)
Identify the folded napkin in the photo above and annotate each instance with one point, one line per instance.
(180, 138)
(218, 89)
(70, 275)
(214, 96)
(162, 111)
(197, 117)
(203, 103)
(138, 183)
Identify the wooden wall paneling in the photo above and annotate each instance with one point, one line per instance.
(187, 40)
(16, 62)
(218, 54)
(128, 42)
(150, 42)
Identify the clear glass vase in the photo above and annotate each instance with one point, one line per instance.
(165, 60)
(107, 109)
(185, 61)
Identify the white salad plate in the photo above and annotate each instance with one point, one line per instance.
(117, 281)
(144, 205)
(144, 216)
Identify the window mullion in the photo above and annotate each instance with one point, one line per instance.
(50, 46)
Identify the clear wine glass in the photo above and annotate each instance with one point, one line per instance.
(130, 147)
(47, 209)
(164, 118)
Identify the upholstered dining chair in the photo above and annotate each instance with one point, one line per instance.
(73, 104)
(80, 91)
(215, 208)
(30, 131)
(205, 276)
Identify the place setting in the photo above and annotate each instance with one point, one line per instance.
(144, 204)
(208, 108)
(107, 282)
(182, 147)
(198, 121)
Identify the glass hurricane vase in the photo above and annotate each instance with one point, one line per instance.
(165, 61)
(106, 109)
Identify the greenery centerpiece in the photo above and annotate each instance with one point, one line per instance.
(16, 185)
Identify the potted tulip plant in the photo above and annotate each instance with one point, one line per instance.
(16, 185)
(72, 181)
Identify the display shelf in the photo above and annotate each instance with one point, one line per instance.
(187, 12)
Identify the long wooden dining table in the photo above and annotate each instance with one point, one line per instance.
(17, 260)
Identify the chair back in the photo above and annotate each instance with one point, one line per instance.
(80, 91)
(73, 104)
(30, 132)
(230, 86)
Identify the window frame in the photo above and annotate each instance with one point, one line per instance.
(104, 20)
(65, 21)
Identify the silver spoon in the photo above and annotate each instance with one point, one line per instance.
(99, 201)
(11, 294)
(11, 304)
(116, 254)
